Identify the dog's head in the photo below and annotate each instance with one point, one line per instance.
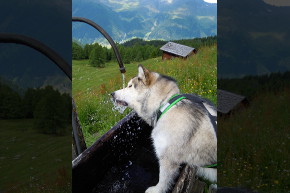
(136, 89)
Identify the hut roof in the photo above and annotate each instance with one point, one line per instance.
(227, 101)
(177, 49)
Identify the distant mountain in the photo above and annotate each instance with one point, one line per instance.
(147, 19)
(253, 38)
(46, 21)
(21, 83)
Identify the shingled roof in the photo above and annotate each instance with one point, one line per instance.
(227, 101)
(177, 49)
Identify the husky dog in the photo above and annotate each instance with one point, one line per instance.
(184, 134)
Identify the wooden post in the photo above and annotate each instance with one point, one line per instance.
(188, 182)
(79, 144)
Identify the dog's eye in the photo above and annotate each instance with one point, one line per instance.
(130, 85)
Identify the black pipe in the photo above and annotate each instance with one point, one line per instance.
(106, 35)
(35, 44)
(59, 61)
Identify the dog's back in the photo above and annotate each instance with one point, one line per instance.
(186, 134)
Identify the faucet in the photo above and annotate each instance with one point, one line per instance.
(38, 46)
(79, 140)
(106, 35)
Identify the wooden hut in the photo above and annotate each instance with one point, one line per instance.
(229, 102)
(171, 50)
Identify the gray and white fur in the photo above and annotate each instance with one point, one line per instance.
(184, 134)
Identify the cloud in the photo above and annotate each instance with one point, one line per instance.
(168, 1)
(206, 17)
(278, 2)
(152, 9)
(178, 13)
(125, 4)
(210, 1)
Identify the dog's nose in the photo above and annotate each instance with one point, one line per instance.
(113, 94)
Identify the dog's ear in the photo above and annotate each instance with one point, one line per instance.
(144, 75)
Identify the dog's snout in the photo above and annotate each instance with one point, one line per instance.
(113, 94)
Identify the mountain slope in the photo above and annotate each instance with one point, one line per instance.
(154, 19)
(46, 21)
(253, 38)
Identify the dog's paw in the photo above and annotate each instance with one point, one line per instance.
(153, 189)
(213, 187)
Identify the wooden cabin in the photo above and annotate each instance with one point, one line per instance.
(171, 50)
(229, 102)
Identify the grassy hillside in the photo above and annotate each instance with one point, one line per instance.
(92, 86)
(254, 145)
(33, 162)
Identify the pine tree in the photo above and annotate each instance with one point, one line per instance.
(139, 56)
(87, 50)
(97, 57)
(50, 115)
(10, 103)
(77, 52)
(29, 102)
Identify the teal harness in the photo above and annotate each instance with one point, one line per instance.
(195, 99)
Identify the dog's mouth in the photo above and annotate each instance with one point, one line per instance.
(122, 103)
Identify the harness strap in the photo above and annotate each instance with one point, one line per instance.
(176, 98)
(211, 166)
(172, 101)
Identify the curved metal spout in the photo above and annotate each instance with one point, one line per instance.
(106, 35)
(61, 63)
(37, 45)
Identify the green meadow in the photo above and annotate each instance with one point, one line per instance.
(92, 86)
(254, 145)
(33, 162)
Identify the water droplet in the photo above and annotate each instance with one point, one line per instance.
(117, 107)
(123, 78)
